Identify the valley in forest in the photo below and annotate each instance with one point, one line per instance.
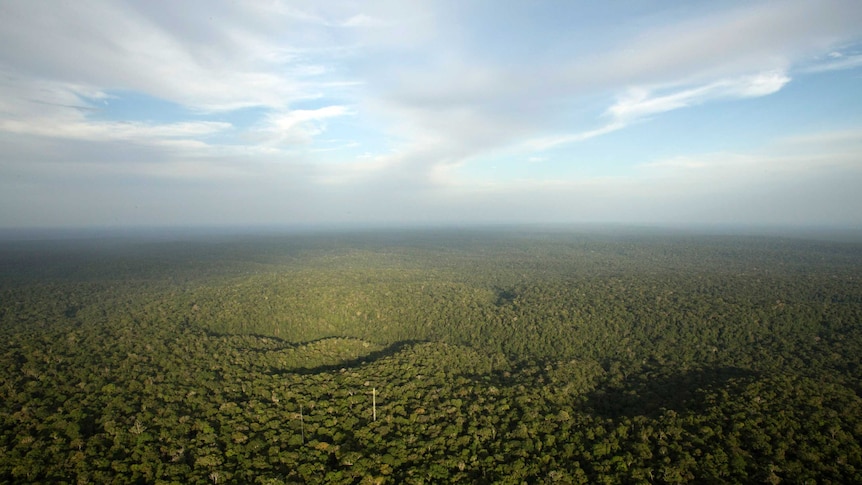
(508, 355)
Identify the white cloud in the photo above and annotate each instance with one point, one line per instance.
(52, 110)
(296, 126)
(826, 139)
(771, 186)
(756, 37)
(798, 157)
(363, 20)
(546, 143)
(100, 131)
(232, 58)
(835, 62)
(639, 103)
(736, 53)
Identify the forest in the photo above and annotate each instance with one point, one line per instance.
(497, 355)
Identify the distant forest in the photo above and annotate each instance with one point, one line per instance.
(431, 356)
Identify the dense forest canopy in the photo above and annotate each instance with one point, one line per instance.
(428, 356)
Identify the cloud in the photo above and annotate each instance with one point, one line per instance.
(546, 143)
(429, 87)
(230, 58)
(96, 131)
(752, 38)
(775, 184)
(836, 61)
(790, 158)
(362, 20)
(850, 137)
(679, 62)
(296, 126)
(639, 103)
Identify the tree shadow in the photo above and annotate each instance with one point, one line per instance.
(282, 344)
(650, 395)
(505, 296)
(286, 344)
(350, 363)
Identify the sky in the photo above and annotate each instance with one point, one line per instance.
(215, 112)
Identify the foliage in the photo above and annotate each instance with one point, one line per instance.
(496, 357)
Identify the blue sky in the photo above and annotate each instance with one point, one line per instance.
(259, 113)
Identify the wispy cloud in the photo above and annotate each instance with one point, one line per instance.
(639, 103)
(809, 154)
(835, 61)
(835, 139)
(296, 126)
(101, 131)
(736, 53)
(232, 58)
(546, 143)
(363, 20)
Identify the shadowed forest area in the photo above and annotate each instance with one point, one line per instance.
(431, 356)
